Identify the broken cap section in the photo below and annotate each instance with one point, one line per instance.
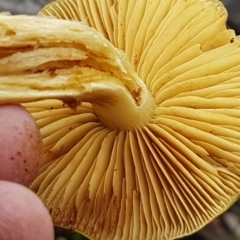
(70, 70)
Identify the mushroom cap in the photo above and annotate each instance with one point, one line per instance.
(172, 175)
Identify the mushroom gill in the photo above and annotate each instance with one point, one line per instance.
(138, 106)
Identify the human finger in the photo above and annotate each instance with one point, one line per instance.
(20, 145)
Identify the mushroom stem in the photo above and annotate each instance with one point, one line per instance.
(43, 58)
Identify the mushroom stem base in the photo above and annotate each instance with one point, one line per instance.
(123, 112)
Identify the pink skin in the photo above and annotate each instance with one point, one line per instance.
(22, 214)
(20, 145)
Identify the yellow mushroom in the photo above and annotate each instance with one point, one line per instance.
(149, 148)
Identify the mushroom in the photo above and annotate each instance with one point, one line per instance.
(138, 106)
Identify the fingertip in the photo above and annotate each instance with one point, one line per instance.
(23, 215)
(20, 144)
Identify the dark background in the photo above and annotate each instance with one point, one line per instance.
(225, 227)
